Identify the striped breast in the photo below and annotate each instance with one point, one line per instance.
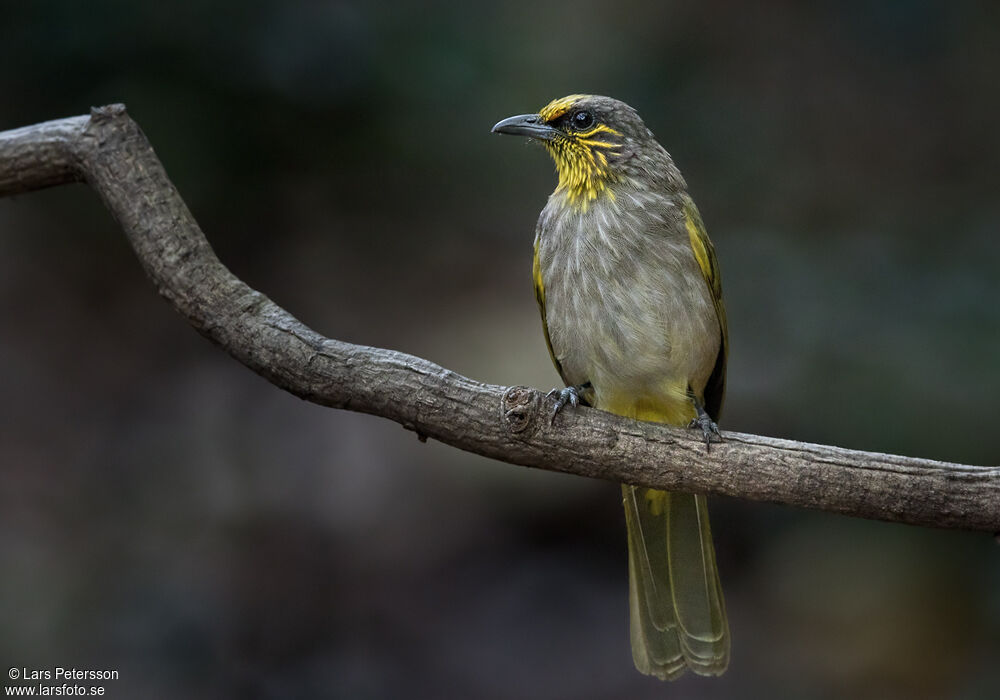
(626, 305)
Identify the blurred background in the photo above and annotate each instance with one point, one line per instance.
(165, 512)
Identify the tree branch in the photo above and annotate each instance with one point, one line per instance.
(108, 151)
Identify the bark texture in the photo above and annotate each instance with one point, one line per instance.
(109, 152)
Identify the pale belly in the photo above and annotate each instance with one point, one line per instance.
(641, 328)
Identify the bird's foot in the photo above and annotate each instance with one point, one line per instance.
(708, 427)
(566, 395)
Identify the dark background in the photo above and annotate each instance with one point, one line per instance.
(165, 512)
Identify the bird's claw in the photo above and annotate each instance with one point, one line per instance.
(566, 395)
(708, 428)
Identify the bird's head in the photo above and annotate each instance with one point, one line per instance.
(595, 141)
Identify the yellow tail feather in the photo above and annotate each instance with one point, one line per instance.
(678, 616)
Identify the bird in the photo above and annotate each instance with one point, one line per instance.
(630, 294)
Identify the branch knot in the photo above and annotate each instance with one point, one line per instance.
(107, 112)
(519, 411)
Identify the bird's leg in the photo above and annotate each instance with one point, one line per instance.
(704, 421)
(566, 395)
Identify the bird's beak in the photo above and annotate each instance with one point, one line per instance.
(530, 125)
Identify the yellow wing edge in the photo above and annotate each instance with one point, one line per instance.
(704, 254)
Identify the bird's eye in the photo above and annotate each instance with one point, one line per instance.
(583, 119)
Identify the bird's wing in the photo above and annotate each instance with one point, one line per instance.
(704, 253)
(536, 275)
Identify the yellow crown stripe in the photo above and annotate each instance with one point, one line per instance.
(557, 108)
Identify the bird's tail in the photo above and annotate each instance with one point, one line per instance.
(678, 616)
